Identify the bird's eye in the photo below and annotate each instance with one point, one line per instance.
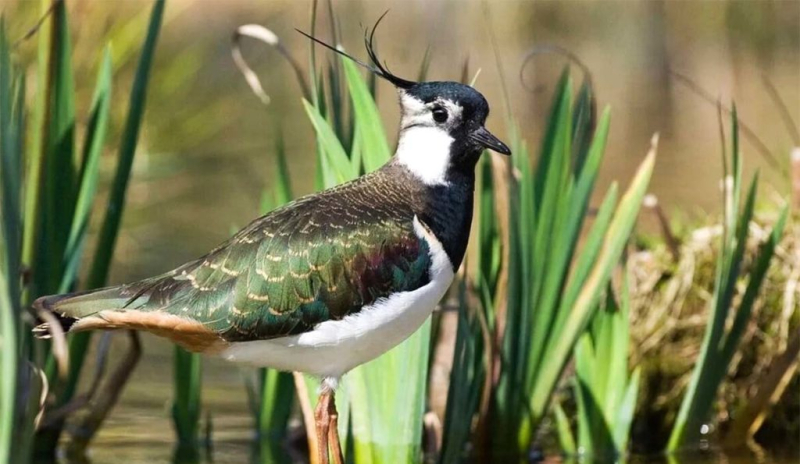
(439, 114)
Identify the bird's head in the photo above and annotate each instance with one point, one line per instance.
(442, 128)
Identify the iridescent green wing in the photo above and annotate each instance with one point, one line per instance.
(294, 268)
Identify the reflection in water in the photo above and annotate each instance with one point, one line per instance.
(207, 147)
(189, 455)
(238, 448)
(270, 451)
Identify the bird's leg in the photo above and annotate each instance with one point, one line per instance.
(333, 431)
(322, 419)
(327, 422)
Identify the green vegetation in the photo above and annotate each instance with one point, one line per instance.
(553, 286)
(721, 340)
(274, 395)
(48, 191)
(392, 386)
(538, 301)
(605, 393)
(186, 404)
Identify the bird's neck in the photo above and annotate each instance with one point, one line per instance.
(448, 213)
(445, 207)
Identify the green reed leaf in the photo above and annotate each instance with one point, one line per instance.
(87, 178)
(336, 158)
(374, 144)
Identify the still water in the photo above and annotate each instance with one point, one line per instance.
(139, 430)
(207, 147)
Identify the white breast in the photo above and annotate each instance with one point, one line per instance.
(335, 347)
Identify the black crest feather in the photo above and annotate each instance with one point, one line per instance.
(377, 68)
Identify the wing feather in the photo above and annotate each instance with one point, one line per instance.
(319, 258)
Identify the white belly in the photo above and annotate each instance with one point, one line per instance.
(335, 347)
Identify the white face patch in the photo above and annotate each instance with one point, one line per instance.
(424, 144)
(425, 151)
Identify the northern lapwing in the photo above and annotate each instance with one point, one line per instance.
(331, 280)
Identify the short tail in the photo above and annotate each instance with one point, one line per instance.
(70, 308)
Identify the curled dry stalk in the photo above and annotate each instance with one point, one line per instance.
(35, 28)
(746, 131)
(268, 37)
(81, 401)
(44, 388)
(106, 398)
(552, 49)
(58, 345)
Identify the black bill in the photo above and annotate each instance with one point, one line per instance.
(486, 139)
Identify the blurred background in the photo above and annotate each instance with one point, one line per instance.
(208, 144)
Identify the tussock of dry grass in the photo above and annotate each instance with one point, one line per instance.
(670, 301)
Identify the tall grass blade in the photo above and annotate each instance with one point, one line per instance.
(611, 250)
(9, 364)
(374, 144)
(337, 165)
(721, 340)
(584, 119)
(466, 380)
(59, 186)
(130, 136)
(35, 159)
(87, 178)
(757, 274)
(85, 188)
(624, 416)
(275, 409)
(52, 191)
(186, 407)
(387, 398)
(605, 392)
(566, 439)
(109, 230)
(276, 398)
(11, 132)
(283, 181)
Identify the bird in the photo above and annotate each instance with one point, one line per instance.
(333, 279)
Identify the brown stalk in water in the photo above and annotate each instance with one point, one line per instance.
(106, 398)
